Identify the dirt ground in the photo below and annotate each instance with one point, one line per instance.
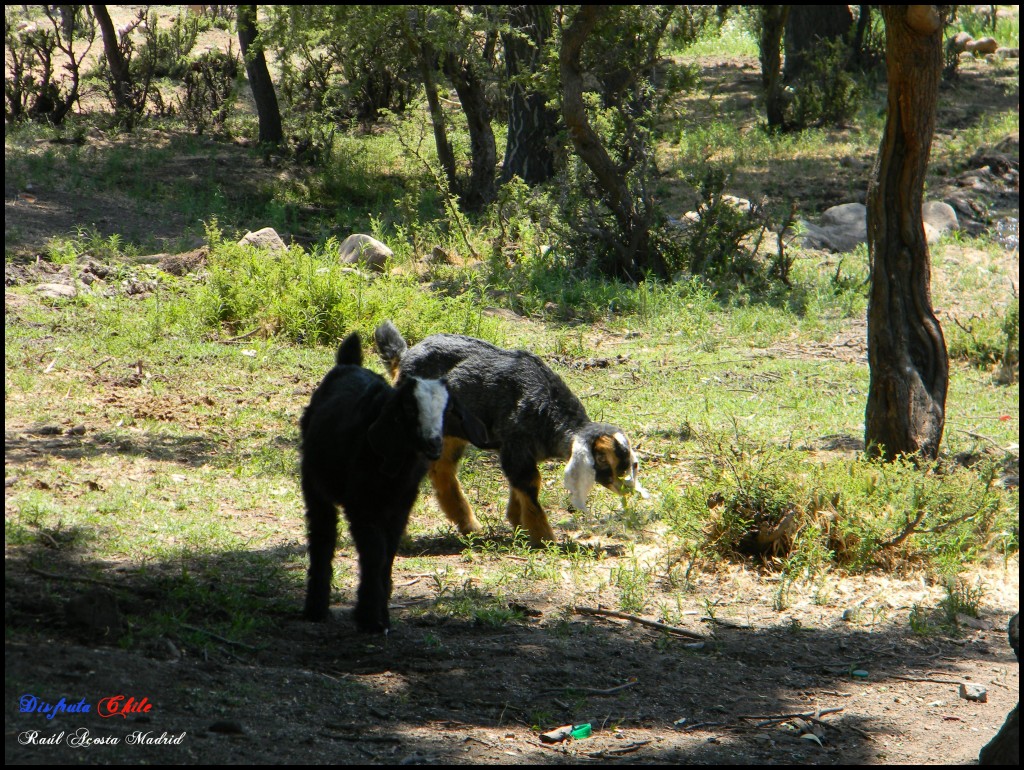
(761, 688)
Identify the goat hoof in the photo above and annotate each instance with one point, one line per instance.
(369, 622)
(317, 614)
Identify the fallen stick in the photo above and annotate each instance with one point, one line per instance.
(930, 681)
(74, 578)
(767, 720)
(617, 752)
(218, 637)
(587, 690)
(642, 621)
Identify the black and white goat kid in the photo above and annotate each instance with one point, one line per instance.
(530, 415)
(366, 446)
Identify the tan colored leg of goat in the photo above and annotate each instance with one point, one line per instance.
(447, 489)
(514, 512)
(531, 516)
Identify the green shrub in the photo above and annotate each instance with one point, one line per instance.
(827, 94)
(774, 505)
(308, 298)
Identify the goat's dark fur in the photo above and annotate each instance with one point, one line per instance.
(364, 448)
(530, 415)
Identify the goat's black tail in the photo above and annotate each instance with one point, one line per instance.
(390, 345)
(351, 351)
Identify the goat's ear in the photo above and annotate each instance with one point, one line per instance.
(461, 423)
(350, 352)
(580, 476)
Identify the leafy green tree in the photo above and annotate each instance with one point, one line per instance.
(618, 46)
(341, 62)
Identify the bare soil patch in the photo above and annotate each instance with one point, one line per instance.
(440, 690)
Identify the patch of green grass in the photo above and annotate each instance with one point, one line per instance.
(632, 581)
(734, 39)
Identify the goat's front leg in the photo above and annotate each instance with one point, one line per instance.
(371, 611)
(447, 489)
(322, 537)
(524, 508)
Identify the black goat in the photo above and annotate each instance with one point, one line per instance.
(366, 446)
(530, 415)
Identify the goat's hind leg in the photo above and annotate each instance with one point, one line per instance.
(322, 538)
(447, 489)
(524, 508)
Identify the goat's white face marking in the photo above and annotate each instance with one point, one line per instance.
(579, 474)
(432, 398)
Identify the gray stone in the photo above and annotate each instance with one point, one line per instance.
(974, 692)
(983, 45)
(959, 41)
(853, 215)
(56, 290)
(364, 250)
(844, 227)
(267, 238)
(940, 215)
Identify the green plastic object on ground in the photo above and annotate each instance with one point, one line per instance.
(581, 731)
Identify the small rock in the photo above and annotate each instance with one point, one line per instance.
(973, 692)
(438, 256)
(267, 238)
(365, 250)
(78, 430)
(979, 624)
(940, 215)
(958, 43)
(982, 46)
(56, 290)
(846, 215)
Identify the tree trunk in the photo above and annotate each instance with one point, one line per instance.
(259, 76)
(806, 26)
(121, 84)
(445, 154)
(480, 190)
(635, 252)
(906, 350)
(773, 24)
(531, 125)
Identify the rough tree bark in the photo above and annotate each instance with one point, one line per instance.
(906, 404)
(531, 124)
(480, 189)
(121, 83)
(634, 251)
(259, 76)
(428, 69)
(773, 24)
(806, 27)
